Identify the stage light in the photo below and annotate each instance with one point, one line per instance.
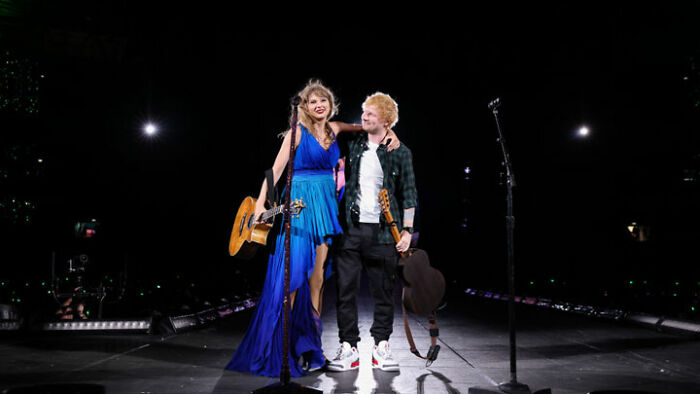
(150, 129)
(687, 326)
(138, 325)
(644, 319)
(9, 325)
(40, 160)
(583, 131)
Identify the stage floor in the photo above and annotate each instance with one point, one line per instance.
(565, 352)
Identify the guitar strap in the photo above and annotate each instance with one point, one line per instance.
(434, 333)
(271, 190)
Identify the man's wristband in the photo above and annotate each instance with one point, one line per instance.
(408, 229)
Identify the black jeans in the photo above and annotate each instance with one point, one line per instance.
(359, 248)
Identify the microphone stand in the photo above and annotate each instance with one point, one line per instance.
(284, 385)
(513, 386)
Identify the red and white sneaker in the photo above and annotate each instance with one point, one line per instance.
(346, 359)
(382, 358)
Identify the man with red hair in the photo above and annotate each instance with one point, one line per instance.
(367, 241)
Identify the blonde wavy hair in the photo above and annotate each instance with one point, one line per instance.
(386, 106)
(314, 86)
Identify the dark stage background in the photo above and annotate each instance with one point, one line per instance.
(217, 83)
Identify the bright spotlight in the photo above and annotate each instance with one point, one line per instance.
(150, 129)
(583, 131)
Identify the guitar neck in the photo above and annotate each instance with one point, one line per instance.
(272, 212)
(395, 232)
(386, 210)
(394, 228)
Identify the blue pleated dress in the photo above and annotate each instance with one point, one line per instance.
(260, 352)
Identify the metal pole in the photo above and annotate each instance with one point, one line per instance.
(284, 373)
(513, 386)
(284, 385)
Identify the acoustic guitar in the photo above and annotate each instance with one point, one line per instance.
(247, 235)
(424, 286)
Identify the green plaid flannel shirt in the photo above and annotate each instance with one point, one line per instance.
(399, 181)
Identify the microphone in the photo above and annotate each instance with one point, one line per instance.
(296, 100)
(495, 103)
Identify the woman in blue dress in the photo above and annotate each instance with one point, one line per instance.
(316, 155)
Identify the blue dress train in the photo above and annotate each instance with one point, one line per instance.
(260, 352)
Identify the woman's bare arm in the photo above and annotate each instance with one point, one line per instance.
(340, 127)
(277, 169)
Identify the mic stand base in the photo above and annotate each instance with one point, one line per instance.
(507, 388)
(289, 388)
(514, 388)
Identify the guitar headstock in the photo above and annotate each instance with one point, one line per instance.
(385, 204)
(296, 206)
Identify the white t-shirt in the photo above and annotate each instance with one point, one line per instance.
(371, 181)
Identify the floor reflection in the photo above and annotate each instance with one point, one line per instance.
(344, 382)
(58, 388)
(350, 382)
(384, 381)
(447, 382)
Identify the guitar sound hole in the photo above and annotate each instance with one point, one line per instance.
(240, 228)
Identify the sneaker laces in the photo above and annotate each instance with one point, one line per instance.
(385, 352)
(339, 353)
